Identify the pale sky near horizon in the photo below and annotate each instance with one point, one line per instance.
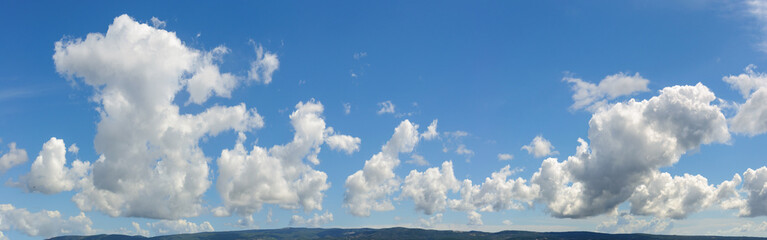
(154, 118)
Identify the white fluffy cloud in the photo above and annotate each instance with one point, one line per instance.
(474, 218)
(431, 131)
(283, 177)
(315, 221)
(13, 157)
(73, 148)
(594, 96)
(755, 187)
(625, 223)
(369, 189)
(43, 223)
(345, 143)
(151, 164)
(208, 79)
(263, 67)
(429, 189)
(751, 118)
(386, 107)
(49, 173)
(630, 141)
(677, 197)
(540, 147)
(497, 193)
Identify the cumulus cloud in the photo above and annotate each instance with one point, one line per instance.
(136, 230)
(474, 218)
(751, 118)
(429, 189)
(630, 141)
(43, 223)
(755, 187)
(594, 96)
(315, 221)
(677, 197)
(386, 107)
(431, 131)
(220, 212)
(369, 189)
(540, 147)
(208, 80)
(496, 193)
(13, 157)
(505, 157)
(151, 164)
(49, 173)
(625, 223)
(263, 67)
(284, 177)
(345, 143)
(73, 148)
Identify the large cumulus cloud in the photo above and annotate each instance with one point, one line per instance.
(629, 141)
(151, 164)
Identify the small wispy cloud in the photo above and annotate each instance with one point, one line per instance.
(359, 55)
(14, 93)
(157, 23)
(386, 107)
(347, 108)
(505, 157)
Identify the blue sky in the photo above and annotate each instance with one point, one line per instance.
(380, 113)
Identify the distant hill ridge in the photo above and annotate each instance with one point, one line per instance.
(388, 233)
